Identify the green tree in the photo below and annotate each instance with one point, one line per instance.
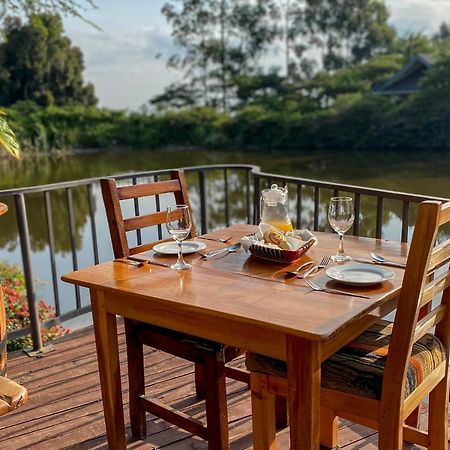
(443, 33)
(346, 32)
(219, 40)
(412, 43)
(8, 141)
(361, 78)
(39, 63)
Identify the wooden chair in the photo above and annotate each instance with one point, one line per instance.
(12, 395)
(381, 378)
(209, 357)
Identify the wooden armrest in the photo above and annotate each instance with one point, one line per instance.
(12, 395)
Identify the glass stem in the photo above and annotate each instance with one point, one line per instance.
(341, 244)
(180, 253)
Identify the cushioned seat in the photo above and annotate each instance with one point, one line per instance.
(358, 368)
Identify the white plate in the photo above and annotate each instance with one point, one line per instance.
(359, 274)
(171, 248)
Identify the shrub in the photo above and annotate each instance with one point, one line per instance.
(16, 306)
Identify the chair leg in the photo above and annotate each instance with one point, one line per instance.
(135, 359)
(281, 414)
(199, 373)
(329, 425)
(438, 416)
(390, 435)
(263, 413)
(216, 402)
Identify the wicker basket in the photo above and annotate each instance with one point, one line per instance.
(279, 255)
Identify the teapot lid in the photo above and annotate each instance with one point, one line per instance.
(274, 195)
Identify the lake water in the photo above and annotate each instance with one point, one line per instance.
(421, 173)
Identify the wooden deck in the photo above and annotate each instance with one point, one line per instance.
(65, 408)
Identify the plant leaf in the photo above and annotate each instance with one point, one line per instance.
(8, 141)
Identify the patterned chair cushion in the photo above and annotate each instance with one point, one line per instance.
(358, 368)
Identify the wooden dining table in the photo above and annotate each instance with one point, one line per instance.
(245, 302)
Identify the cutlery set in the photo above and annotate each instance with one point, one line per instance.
(140, 261)
(308, 271)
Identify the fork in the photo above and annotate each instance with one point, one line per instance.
(324, 263)
(315, 287)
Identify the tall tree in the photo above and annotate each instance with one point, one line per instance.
(219, 40)
(443, 33)
(344, 32)
(39, 63)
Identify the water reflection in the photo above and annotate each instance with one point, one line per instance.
(37, 220)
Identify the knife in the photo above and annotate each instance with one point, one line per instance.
(144, 260)
(387, 263)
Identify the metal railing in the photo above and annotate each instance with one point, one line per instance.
(220, 195)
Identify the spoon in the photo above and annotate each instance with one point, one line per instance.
(382, 260)
(298, 269)
(223, 251)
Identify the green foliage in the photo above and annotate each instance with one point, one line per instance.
(39, 63)
(329, 111)
(219, 39)
(347, 31)
(17, 314)
(224, 41)
(8, 141)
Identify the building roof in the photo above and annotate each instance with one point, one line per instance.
(405, 81)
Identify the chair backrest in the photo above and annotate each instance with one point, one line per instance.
(422, 282)
(119, 226)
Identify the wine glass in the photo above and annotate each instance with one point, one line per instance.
(341, 215)
(179, 225)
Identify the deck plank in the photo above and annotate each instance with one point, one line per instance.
(65, 409)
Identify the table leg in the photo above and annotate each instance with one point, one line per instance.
(303, 362)
(105, 329)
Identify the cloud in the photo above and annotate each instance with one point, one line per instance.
(123, 66)
(418, 15)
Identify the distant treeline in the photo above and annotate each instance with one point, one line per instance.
(228, 98)
(352, 120)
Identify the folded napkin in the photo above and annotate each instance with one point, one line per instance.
(295, 238)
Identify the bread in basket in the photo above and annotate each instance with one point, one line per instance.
(283, 247)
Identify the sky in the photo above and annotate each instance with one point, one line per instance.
(122, 60)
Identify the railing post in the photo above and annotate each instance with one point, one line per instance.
(203, 208)
(27, 270)
(316, 207)
(247, 196)
(256, 200)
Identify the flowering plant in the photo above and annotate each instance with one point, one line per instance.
(12, 281)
